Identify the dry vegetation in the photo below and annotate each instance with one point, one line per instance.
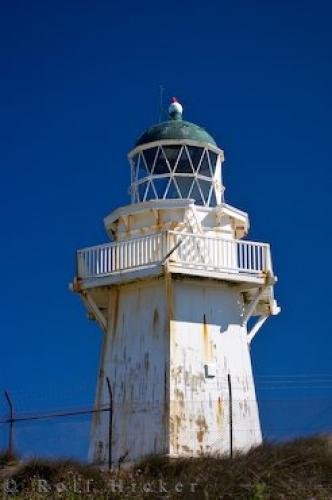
(301, 469)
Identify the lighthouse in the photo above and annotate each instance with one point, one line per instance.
(179, 293)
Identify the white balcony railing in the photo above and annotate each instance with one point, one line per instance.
(183, 250)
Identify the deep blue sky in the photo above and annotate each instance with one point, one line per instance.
(79, 82)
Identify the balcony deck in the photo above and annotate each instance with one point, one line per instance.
(183, 253)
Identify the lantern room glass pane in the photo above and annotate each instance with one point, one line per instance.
(150, 195)
(184, 184)
(161, 165)
(160, 185)
(141, 190)
(204, 167)
(195, 194)
(213, 161)
(142, 169)
(173, 191)
(183, 165)
(172, 153)
(149, 155)
(205, 188)
(195, 155)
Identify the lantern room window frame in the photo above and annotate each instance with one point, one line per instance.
(182, 178)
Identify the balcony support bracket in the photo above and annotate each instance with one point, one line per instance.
(260, 322)
(249, 309)
(94, 310)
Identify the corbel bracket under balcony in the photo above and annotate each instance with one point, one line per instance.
(250, 308)
(94, 310)
(257, 326)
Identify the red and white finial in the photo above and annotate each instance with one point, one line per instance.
(175, 109)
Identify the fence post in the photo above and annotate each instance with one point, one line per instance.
(11, 423)
(110, 424)
(230, 402)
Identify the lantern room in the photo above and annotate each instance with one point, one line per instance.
(176, 159)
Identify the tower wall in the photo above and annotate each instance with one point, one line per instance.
(207, 342)
(170, 344)
(135, 357)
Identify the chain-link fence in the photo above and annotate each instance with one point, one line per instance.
(288, 407)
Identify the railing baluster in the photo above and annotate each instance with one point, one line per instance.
(108, 252)
(130, 260)
(87, 264)
(143, 252)
(135, 256)
(124, 260)
(213, 253)
(123, 244)
(99, 255)
(130, 256)
(268, 259)
(257, 258)
(247, 257)
(228, 262)
(240, 255)
(99, 258)
(113, 258)
(93, 270)
(250, 256)
(151, 253)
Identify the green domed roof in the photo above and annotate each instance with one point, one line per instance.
(175, 129)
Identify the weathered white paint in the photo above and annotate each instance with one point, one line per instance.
(135, 357)
(161, 334)
(206, 330)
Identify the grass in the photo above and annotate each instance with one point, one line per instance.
(300, 469)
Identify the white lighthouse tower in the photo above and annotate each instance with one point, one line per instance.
(173, 292)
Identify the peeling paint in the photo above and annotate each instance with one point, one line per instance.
(202, 428)
(219, 411)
